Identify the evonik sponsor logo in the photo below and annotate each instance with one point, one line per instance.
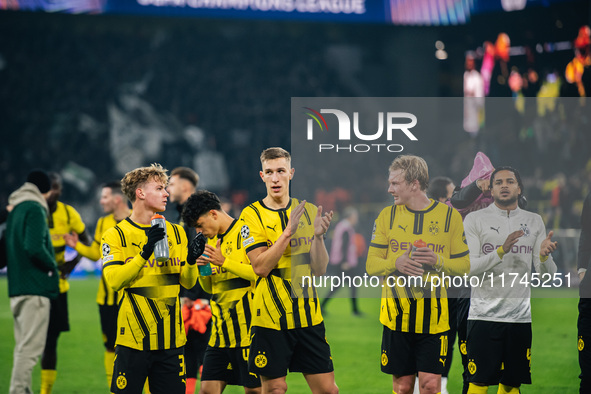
(389, 126)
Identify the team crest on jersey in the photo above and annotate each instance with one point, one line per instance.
(106, 249)
(245, 232)
(434, 228)
(581, 344)
(384, 359)
(301, 225)
(121, 382)
(228, 250)
(525, 230)
(471, 367)
(260, 360)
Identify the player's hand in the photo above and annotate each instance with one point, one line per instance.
(71, 239)
(408, 266)
(424, 256)
(155, 234)
(214, 255)
(512, 240)
(322, 223)
(483, 185)
(196, 248)
(548, 246)
(294, 219)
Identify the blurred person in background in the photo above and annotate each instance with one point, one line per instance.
(32, 275)
(115, 205)
(64, 220)
(344, 254)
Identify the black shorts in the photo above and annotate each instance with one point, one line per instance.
(273, 352)
(108, 314)
(164, 368)
(58, 317)
(499, 353)
(229, 365)
(406, 353)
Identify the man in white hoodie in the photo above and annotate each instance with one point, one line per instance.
(504, 242)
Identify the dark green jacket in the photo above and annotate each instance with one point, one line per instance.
(32, 269)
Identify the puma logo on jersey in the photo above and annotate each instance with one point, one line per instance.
(442, 361)
(404, 228)
(136, 245)
(272, 228)
(496, 229)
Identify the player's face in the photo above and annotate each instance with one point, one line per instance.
(107, 200)
(207, 224)
(399, 188)
(276, 174)
(155, 195)
(174, 188)
(505, 189)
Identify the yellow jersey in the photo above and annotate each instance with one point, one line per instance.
(284, 299)
(63, 220)
(149, 315)
(410, 305)
(231, 286)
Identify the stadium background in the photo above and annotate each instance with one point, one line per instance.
(92, 96)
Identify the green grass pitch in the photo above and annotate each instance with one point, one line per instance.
(355, 343)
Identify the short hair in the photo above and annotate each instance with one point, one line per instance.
(115, 187)
(197, 205)
(275, 153)
(138, 177)
(414, 168)
(438, 187)
(186, 173)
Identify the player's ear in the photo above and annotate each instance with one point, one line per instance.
(139, 194)
(291, 172)
(262, 175)
(213, 213)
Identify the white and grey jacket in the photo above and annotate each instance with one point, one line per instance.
(504, 290)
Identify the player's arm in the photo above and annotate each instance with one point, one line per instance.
(189, 271)
(458, 262)
(263, 258)
(377, 263)
(318, 252)
(92, 251)
(119, 274)
(479, 263)
(463, 197)
(542, 259)
(77, 227)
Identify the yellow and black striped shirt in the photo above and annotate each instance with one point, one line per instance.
(415, 308)
(63, 220)
(284, 299)
(231, 286)
(149, 311)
